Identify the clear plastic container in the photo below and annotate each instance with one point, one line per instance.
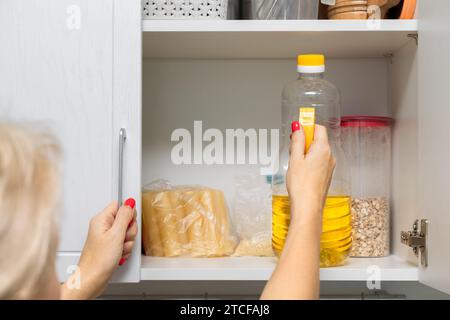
(312, 90)
(280, 9)
(367, 143)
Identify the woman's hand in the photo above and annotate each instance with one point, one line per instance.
(308, 179)
(109, 243)
(309, 175)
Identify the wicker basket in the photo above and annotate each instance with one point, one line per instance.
(185, 9)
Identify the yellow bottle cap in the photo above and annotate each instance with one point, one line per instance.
(311, 60)
(311, 63)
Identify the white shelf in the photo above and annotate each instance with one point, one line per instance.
(274, 38)
(255, 268)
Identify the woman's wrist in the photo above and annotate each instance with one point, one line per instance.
(307, 211)
(93, 280)
(85, 284)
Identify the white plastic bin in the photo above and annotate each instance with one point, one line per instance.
(187, 9)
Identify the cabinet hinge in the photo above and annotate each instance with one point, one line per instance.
(414, 36)
(417, 240)
(389, 57)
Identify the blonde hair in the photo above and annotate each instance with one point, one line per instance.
(29, 195)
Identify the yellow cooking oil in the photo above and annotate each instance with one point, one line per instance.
(336, 238)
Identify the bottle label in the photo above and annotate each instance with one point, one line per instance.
(307, 118)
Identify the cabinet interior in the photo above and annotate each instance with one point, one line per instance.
(245, 93)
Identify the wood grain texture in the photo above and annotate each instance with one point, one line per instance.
(61, 78)
(127, 83)
(74, 65)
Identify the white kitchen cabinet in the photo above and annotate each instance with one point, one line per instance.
(242, 93)
(74, 66)
(228, 74)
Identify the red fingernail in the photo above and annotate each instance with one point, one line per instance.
(122, 261)
(130, 202)
(295, 126)
(290, 136)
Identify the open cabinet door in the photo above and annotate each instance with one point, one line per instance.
(62, 65)
(434, 138)
(127, 109)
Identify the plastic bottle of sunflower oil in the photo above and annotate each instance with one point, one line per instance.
(311, 90)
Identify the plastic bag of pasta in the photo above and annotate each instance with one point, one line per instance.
(252, 216)
(185, 221)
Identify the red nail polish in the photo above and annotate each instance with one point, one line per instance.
(295, 126)
(130, 202)
(122, 261)
(290, 136)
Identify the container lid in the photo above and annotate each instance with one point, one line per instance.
(311, 63)
(366, 121)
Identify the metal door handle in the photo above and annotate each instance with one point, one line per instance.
(122, 138)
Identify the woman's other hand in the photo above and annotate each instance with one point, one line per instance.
(109, 244)
(309, 175)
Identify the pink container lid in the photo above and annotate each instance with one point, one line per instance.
(366, 121)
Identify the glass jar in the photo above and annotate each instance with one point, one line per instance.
(367, 143)
(312, 90)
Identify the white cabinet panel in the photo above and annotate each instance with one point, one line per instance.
(269, 39)
(389, 268)
(402, 83)
(127, 96)
(434, 144)
(55, 67)
(59, 62)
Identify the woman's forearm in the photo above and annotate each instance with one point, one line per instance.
(297, 273)
(307, 180)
